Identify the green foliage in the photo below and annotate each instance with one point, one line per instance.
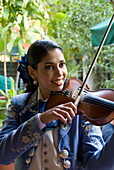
(104, 69)
(15, 17)
(2, 109)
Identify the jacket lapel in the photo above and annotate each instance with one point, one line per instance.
(63, 130)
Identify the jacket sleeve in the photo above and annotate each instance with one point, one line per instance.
(15, 139)
(97, 154)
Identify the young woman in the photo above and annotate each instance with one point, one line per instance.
(57, 138)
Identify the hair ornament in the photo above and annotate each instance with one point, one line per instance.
(23, 69)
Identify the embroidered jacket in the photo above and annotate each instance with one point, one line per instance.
(20, 135)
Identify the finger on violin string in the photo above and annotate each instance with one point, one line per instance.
(60, 117)
(68, 109)
(71, 105)
(67, 113)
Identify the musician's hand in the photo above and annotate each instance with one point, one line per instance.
(64, 112)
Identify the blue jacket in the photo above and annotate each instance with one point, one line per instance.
(107, 131)
(20, 135)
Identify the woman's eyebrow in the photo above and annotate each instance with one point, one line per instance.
(53, 62)
(49, 63)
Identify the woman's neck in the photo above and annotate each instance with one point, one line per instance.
(42, 96)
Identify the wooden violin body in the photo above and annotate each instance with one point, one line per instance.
(94, 106)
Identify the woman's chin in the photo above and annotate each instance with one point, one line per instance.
(59, 88)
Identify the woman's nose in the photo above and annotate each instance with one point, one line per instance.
(58, 71)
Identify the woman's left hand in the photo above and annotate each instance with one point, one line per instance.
(64, 112)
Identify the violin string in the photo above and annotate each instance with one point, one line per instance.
(99, 101)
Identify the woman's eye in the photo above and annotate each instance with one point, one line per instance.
(62, 64)
(49, 67)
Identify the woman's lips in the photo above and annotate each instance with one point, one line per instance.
(58, 82)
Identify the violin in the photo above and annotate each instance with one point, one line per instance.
(96, 107)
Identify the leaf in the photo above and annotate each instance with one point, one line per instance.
(12, 39)
(20, 48)
(13, 86)
(1, 45)
(2, 102)
(59, 16)
(2, 92)
(5, 29)
(30, 36)
(5, 13)
(25, 18)
(39, 31)
(19, 18)
(36, 30)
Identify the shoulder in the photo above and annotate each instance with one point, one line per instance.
(24, 99)
(20, 99)
(108, 127)
(107, 131)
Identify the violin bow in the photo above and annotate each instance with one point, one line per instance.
(94, 61)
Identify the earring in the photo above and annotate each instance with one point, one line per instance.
(35, 82)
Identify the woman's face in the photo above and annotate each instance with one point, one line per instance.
(51, 72)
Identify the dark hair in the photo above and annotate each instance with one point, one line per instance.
(36, 52)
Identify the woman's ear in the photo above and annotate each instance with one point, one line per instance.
(32, 72)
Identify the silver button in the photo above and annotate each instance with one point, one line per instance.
(67, 164)
(28, 160)
(36, 144)
(31, 153)
(64, 154)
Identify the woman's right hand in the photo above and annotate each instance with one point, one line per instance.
(64, 112)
